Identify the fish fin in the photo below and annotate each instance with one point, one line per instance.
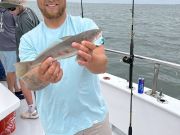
(22, 68)
(65, 38)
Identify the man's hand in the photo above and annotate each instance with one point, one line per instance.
(91, 56)
(47, 72)
(50, 71)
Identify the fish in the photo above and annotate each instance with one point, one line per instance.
(60, 50)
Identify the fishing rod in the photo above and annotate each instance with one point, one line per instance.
(130, 61)
(82, 13)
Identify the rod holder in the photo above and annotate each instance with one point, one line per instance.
(155, 78)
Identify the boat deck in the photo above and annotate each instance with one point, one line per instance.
(27, 126)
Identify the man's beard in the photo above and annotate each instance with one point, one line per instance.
(52, 15)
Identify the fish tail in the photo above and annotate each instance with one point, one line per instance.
(22, 68)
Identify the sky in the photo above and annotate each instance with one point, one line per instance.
(130, 1)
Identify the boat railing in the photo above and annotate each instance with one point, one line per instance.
(156, 62)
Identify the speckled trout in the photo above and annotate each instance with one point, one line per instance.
(59, 50)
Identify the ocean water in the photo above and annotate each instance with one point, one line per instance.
(157, 35)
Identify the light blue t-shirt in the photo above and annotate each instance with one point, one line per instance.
(75, 102)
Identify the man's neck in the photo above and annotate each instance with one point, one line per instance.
(55, 23)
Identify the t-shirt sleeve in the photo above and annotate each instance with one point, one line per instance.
(27, 24)
(28, 20)
(90, 24)
(26, 50)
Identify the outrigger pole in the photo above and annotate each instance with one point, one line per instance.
(130, 61)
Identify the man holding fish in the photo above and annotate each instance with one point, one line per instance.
(68, 99)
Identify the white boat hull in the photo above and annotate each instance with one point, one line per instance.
(149, 116)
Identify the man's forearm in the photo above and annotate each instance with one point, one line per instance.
(99, 64)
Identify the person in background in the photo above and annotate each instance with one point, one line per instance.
(69, 100)
(26, 20)
(8, 49)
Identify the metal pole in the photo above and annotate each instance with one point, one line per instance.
(156, 72)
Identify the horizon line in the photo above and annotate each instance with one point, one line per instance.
(125, 3)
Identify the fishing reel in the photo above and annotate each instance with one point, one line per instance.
(128, 60)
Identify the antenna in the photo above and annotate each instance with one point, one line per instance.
(130, 61)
